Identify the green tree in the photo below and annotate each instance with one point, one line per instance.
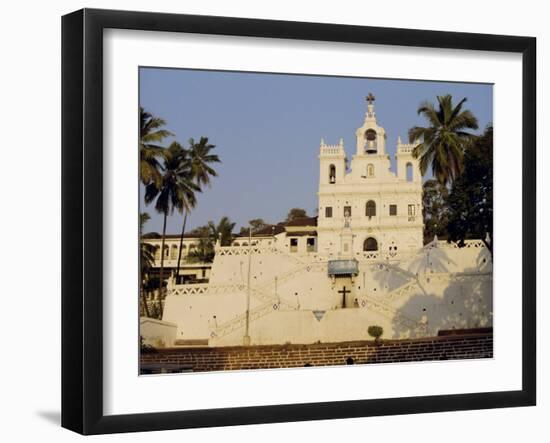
(442, 143)
(471, 197)
(203, 252)
(151, 133)
(174, 191)
(223, 231)
(146, 260)
(435, 210)
(257, 224)
(296, 213)
(198, 170)
(375, 332)
(208, 236)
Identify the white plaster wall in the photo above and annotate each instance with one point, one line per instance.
(412, 295)
(302, 327)
(157, 333)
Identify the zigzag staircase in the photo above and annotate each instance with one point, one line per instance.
(272, 302)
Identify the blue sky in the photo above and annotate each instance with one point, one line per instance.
(267, 128)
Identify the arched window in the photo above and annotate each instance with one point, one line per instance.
(332, 174)
(370, 244)
(370, 146)
(370, 209)
(409, 167)
(166, 251)
(174, 252)
(370, 170)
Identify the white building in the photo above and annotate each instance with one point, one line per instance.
(361, 262)
(190, 271)
(369, 208)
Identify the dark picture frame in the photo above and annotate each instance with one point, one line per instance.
(82, 220)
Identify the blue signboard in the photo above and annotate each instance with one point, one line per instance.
(343, 267)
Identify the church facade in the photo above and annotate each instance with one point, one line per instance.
(369, 209)
(361, 262)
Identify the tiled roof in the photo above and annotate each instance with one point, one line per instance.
(301, 233)
(157, 235)
(269, 230)
(304, 221)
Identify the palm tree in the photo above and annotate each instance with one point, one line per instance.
(444, 140)
(223, 231)
(150, 135)
(174, 191)
(209, 234)
(146, 260)
(203, 252)
(200, 172)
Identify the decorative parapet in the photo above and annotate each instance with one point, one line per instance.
(245, 250)
(332, 150)
(204, 289)
(406, 148)
(469, 244)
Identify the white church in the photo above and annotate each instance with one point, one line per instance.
(360, 263)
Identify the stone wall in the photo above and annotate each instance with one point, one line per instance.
(467, 346)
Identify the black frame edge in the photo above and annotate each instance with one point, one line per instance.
(82, 359)
(72, 367)
(529, 220)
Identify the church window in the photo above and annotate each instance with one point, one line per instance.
(310, 245)
(332, 174)
(370, 244)
(347, 211)
(328, 212)
(174, 252)
(411, 211)
(370, 209)
(409, 167)
(166, 251)
(293, 245)
(393, 209)
(370, 170)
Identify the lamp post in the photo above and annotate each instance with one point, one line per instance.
(246, 338)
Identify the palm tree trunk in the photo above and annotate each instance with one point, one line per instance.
(181, 244)
(161, 285)
(144, 301)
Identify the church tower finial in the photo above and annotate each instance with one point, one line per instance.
(370, 107)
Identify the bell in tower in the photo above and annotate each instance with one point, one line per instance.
(370, 134)
(371, 145)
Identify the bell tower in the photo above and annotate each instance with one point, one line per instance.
(332, 163)
(371, 138)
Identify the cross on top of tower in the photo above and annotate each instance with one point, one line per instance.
(370, 98)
